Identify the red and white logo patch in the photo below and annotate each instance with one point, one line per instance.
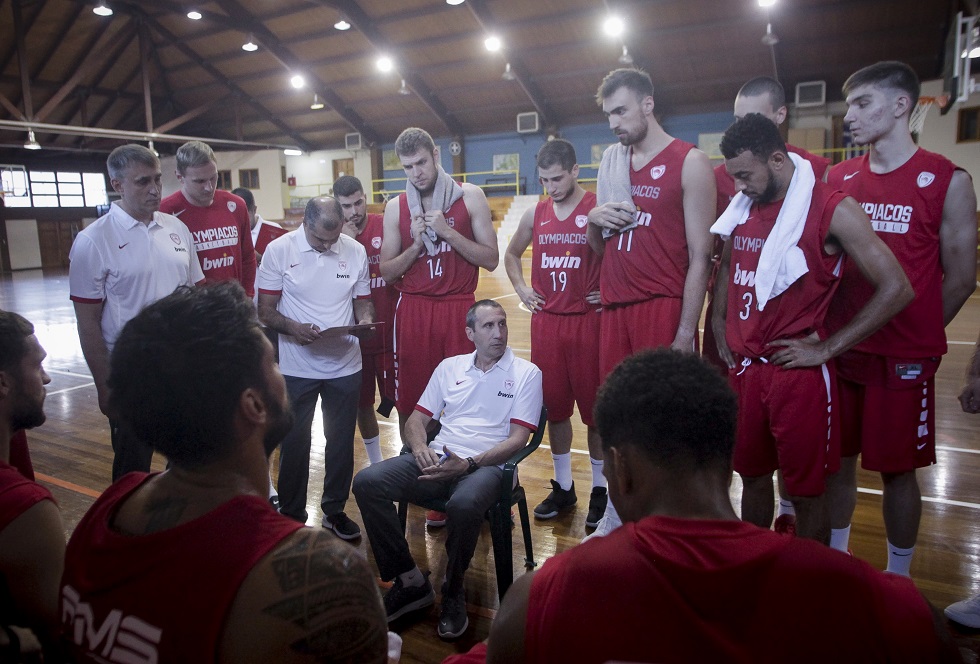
(376, 242)
(657, 171)
(342, 266)
(925, 179)
(175, 238)
(508, 385)
(232, 206)
(581, 220)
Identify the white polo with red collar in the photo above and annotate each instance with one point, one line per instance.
(317, 288)
(129, 265)
(476, 408)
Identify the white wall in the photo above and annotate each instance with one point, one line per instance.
(314, 171)
(939, 134)
(22, 241)
(268, 197)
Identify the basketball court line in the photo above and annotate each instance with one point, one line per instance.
(69, 389)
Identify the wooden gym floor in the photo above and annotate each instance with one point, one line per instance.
(73, 457)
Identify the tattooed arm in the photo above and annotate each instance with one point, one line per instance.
(313, 599)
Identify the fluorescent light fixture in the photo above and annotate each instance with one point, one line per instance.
(342, 24)
(454, 2)
(614, 26)
(292, 152)
(317, 104)
(250, 45)
(767, 3)
(492, 43)
(194, 15)
(31, 143)
(101, 10)
(297, 81)
(385, 64)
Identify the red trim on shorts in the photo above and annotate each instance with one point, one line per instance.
(532, 427)
(423, 410)
(263, 291)
(84, 300)
(362, 297)
(204, 281)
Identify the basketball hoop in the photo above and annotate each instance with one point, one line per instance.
(918, 117)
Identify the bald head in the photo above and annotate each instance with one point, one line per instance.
(323, 222)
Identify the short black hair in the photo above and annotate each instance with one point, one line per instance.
(764, 85)
(673, 406)
(315, 213)
(178, 370)
(471, 312)
(557, 151)
(246, 196)
(890, 74)
(634, 79)
(14, 331)
(755, 133)
(347, 185)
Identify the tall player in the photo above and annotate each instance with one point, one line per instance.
(377, 353)
(924, 208)
(564, 300)
(656, 198)
(217, 219)
(765, 96)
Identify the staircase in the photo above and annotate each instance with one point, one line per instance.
(513, 218)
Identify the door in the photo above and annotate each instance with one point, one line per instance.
(342, 167)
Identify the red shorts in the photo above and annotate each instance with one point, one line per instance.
(787, 420)
(888, 411)
(376, 368)
(628, 328)
(427, 331)
(566, 349)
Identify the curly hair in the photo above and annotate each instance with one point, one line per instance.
(755, 133)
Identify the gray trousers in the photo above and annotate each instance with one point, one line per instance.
(339, 404)
(378, 486)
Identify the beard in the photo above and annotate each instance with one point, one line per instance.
(27, 415)
(768, 194)
(281, 422)
(634, 138)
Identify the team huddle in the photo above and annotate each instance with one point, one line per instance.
(828, 289)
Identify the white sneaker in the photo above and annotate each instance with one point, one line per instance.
(965, 612)
(609, 522)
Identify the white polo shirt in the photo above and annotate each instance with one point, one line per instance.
(317, 288)
(128, 265)
(475, 408)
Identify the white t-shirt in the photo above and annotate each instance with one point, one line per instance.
(128, 265)
(475, 408)
(316, 288)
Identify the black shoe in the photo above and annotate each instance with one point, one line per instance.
(342, 526)
(597, 506)
(453, 620)
(557, 500)
(401, 599)
(274, 501)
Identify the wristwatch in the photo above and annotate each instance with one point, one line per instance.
(473, 465)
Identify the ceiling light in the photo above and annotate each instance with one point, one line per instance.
(974, 46)
(454, 2)
(250, 45)
(31, 143)
(292, 152)
(767, 3)
(614, 26)
(101, 10)
(194, 15)
(625, 58)
(385, 64)
(342, 24)
(508, 74)
(770, 38)
(492, 43)
(403, 90)
(317, 104)
(297, 81)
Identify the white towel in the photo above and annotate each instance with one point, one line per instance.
(446, 192)
(613, 182)
(781, 262)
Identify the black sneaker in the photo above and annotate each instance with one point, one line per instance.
(557, 500)
(453, 620)
(401, 599)
(274, 501)
(342, 526)
(597, 506)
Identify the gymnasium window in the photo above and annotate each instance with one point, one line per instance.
(57, 189)
(968, 126)
(248, 178)
(224, 180)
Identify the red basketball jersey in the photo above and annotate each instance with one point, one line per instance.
(650, 260)
(800, 309)
(446, 273)
(906, 211)
(564, 268)
(383, 295)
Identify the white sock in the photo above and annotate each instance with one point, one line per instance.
(899, 560)
(563, 470)
(272, 488)
(598, 479)
(785, 507)
(839, 538)
(412, 578)
(373, 448)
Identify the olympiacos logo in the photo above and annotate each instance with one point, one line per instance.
(342, 266)
(376, 242)
(175, 238)
(232, 206)
(657, 171)
(508, 385)
(581, 220)
(925, 179)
